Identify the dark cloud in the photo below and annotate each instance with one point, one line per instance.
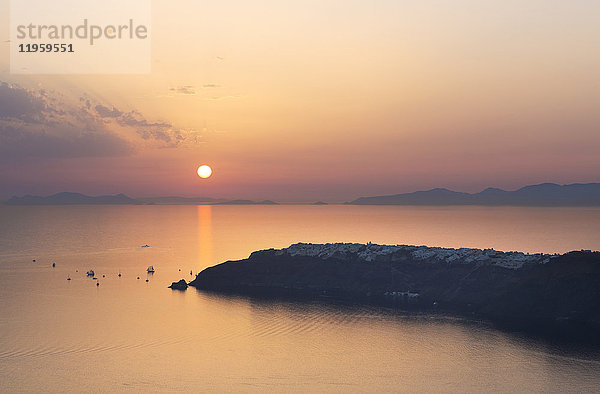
(148, 130)
(86, 102)
(159, 131)
(188, 89)
(19, 103)
(106, 112)
(38, 123)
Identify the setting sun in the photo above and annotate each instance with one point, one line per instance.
(204, 171)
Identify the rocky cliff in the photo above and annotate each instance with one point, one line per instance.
(553, 294)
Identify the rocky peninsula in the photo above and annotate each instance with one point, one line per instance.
(541, 293)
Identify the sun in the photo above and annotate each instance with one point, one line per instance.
(204, 171)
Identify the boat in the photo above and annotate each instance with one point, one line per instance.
(150, 269)
(145, 246)
(90, 273)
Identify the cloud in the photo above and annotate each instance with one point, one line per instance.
(189, 90)
(43, 124)
(37, 124)
(159, 131)
(164, 133)
(19, 103)
(106, 112)
(149, 130)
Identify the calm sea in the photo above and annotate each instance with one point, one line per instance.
(130, 334)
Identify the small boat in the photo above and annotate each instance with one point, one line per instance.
(68, 278)
(53, 265)
(90, 273)
(145, 246)
(150, 269)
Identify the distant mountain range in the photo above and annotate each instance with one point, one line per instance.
(247, 202)
(545, 194)
(174, 200)
(68, 198)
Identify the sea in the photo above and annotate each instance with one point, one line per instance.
(125, 331)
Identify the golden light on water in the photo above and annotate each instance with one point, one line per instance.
(204, 171)
(205, 243)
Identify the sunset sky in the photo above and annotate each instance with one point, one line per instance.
(319, 100)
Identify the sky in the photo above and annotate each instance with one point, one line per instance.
(318, 100)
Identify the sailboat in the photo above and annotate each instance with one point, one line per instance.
(150, 269)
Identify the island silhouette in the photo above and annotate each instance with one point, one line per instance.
(70, 198)
(545, 194)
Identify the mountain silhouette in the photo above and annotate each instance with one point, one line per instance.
(545, 194)
(68, 198)
(176, 200)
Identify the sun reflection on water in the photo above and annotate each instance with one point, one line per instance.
(205, 241)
